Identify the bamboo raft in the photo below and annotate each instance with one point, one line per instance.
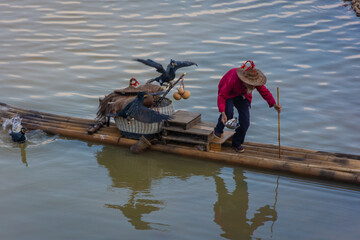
(309, 163)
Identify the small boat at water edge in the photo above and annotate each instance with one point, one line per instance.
(201, 145)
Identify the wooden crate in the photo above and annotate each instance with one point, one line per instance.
(187, 128)
(216, 143)
(184, 119)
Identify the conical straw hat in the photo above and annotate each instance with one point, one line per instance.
(251, 75)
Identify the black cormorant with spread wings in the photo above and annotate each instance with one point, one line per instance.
(166, 75)
(135, 110)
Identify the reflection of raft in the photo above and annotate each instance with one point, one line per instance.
(185, 140)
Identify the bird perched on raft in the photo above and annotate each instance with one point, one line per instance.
(17, 131)
(166, 75)
(135, 110)
(18, 135)
(119, 98)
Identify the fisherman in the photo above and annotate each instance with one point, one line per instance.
(235, 89)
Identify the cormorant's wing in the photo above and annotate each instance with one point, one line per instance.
(147, 115)
(151, 63)
(124, 112)
(180, 64)
(157, 79)
(157, 93)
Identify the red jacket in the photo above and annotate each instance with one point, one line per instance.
(231, 86)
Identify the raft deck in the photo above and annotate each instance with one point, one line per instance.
(309, 163)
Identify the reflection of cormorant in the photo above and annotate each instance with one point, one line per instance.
(23, 154)
(166, 75)
(136, 110)
(231, 209)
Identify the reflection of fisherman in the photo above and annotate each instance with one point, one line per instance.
(231, 208)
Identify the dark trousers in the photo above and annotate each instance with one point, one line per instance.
(242, 106)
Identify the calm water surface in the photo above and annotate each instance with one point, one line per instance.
(61, 56)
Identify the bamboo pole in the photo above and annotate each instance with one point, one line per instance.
(278, 102)
(306, 153)
(306, 162)
(45, 115)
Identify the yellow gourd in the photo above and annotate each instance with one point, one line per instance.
(176, 96)
(181, 90)
(186, 95)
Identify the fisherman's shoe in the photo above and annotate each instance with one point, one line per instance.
(239, 149)
(217, 134)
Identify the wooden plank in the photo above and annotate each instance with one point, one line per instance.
(199, 147)
(216, 143)
(204, 125)
(194, 130)
(184, 119)
(185, 140)
(201, 137)
(199, 131)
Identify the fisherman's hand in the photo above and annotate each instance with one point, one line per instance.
(223, 118)
(277, 107)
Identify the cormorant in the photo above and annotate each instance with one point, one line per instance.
(135, 110)
(19, 136)
(166, 75)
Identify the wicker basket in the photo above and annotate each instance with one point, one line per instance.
(136, 129)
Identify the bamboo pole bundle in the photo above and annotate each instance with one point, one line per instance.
(293, 160)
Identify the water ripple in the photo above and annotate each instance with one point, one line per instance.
(158, 17)
(330, 6)
(60, 22)
(352, 57)
(232, 3)
(195, 53)
(43, 62)
(230, 10)
(69, 2)
(14, 21)
(281, 15)
(149, 34)
(181, 24)
(70, 94)
(134, 15)
(141, 55)
(312, 24)
(244, 20)
(92, 54)
(88, 67)
(226, 43)
(84, 13)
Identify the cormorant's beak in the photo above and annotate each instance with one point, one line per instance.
(173, 64)
(146, 95)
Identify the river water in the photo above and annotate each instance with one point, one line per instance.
(61, 56)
